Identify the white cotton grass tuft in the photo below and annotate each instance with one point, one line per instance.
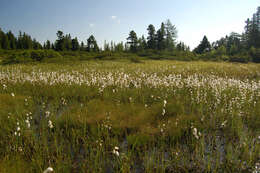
(50, 124)
(49, 169)
(116, 151)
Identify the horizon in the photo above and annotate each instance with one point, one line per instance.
(81, 19)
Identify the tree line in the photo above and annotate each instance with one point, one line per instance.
(162, 39)
(234, 45)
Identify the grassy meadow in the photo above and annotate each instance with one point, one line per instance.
(120, 116)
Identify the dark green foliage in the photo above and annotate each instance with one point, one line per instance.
(151, 39)
(160, 38)
(142, 45)
(31, 56)
(5, 42)
(132, 41)
(203, 47)
(12, 40)
(239, 58)
(171, 35)
(92, 44)
(60, 43)
(48, 44)
(75, 44)
(255, 54)
(252, 31)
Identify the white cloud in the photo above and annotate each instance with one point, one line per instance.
(116, 19)
(113, 17)
(91, 25)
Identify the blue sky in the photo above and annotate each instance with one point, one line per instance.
(113, 19)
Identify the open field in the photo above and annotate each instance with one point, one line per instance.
(120, 116)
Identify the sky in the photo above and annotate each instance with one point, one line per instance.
(114, 19)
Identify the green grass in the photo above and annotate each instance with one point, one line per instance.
(165, 116)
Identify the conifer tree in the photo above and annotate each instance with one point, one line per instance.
(75, 44)
(160, 37)
(204, 46)
(92, 44)
(132, 41)
(151, 39)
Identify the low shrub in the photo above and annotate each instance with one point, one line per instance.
(239, 58)
(27, 56)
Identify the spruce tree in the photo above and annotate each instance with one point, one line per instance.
(5, 42)
(203, 47)
(48, 44)
(132, 41)
(171, 35)
(12, 40)
(92, 44)
(151, 39)
(75, 44)
(161, 41)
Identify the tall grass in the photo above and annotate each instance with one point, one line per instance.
(121, 116)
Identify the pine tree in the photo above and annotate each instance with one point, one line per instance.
(132, 41)
(75, 44)
(12, 40)
(204, 46)
(5, 42)
(171, 35)
(60, 43)
(252, 31)
(161, 41)
(48, 44)
(142, 45)
(92, 44)
(151, 39)
(20, 41)
(68, 42)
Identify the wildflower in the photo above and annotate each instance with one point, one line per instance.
(49, 169)
(18, 128)
(15, 133)
(12, 94)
